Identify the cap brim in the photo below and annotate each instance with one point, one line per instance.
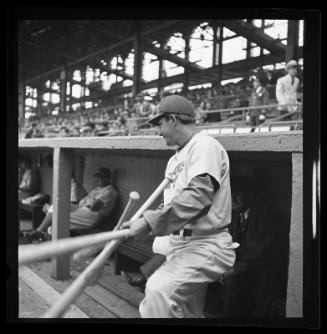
(154, 120)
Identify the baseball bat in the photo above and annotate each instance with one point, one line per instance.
(72, 292)
(90, 251)
(33, 253)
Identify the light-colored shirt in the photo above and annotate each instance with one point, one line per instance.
(286, 92)
(107, 195)
(29, 182)
(202, 155)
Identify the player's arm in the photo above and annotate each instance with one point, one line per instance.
(193, 203)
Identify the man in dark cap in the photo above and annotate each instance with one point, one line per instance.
(259, 97)
(195, 215)
(91, 209)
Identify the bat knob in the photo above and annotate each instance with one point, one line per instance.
(134, 196)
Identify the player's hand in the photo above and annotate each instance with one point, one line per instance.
(137, 228)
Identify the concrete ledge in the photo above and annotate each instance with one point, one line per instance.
(265, 142)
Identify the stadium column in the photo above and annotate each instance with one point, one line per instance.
(220, 54)
(187, 53)
(160, 75)
(138, 59)
(63, 90)
(294, 302)
(62, 171)
(292, 40)
(215, 44)
(21, 100)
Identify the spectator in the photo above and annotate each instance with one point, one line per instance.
(90, 211)
(286, 90)
(270, 79)
(141, 108)
(29, 181)
(258, 97)
(255, 286)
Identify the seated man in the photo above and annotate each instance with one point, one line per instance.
(29, 181)
(90, 210)
(255, 286)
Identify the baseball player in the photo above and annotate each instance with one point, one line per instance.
(196, 212)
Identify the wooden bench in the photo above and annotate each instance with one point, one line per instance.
(36, 211)
(132, 253)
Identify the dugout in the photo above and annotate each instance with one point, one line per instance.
(138, 164)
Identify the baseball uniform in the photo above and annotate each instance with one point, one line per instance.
(196, 213)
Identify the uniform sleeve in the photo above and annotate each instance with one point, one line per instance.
(205, 158)
(193, 203)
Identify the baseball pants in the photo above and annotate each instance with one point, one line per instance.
(178, 288)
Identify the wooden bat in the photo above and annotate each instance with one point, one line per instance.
(72, 292)
(90, 251)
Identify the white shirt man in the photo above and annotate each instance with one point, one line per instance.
(286, 88)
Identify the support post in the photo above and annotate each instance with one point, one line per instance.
(21, 101)
(63, 90)
(294, 302)
(62, 172)
(215, 44)
(292, 40)
(160, 75)
(186, 70)
(249, 45)
(138, 59)
(220, 54)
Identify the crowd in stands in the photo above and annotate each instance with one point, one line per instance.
(124, 118)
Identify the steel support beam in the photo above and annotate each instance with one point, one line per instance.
(63, 90)
(220, 54)
(250, 32)
(103, 50)
(292, 40)
(138, 60)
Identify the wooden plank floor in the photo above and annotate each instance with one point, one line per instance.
(110, 297)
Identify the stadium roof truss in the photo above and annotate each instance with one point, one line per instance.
(48, 47)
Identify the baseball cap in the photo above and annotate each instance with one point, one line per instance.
(173, 104)
(291, 63)
(103, 172)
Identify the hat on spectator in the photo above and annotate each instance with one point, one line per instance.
(173, 104)
(290, 64)
(103, 172)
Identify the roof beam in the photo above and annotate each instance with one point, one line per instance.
(48, 50)
(103, 50)
(149, 47)
(252, 33)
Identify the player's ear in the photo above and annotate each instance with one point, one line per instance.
(174, 119)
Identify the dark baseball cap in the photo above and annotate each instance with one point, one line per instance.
(173, 104)
(103, 172)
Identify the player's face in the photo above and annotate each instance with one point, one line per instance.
(167, 130)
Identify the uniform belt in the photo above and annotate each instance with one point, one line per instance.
(184, 232)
